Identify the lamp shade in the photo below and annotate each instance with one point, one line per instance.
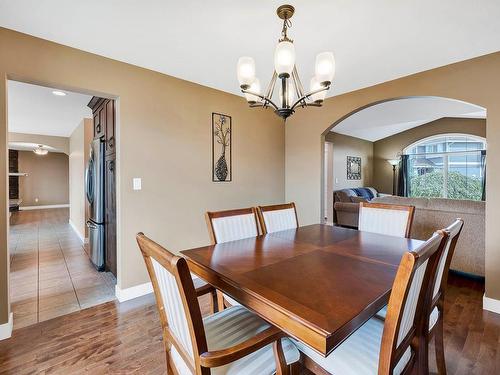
(316, 85)
(254, 87)
(284, 58)
(325, 67)
(246, 71)
(393, 162)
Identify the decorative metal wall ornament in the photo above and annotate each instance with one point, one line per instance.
(286, 71)
(353, 168)
(221, 148)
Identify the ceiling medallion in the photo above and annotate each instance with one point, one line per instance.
(290, 86)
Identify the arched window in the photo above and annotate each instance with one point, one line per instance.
(446, 166)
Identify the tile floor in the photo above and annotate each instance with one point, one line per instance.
(50, 272)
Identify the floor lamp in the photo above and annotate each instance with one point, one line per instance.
(394, 163)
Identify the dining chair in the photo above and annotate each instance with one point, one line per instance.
(390, 346)
(436, 309)
(231, 225)
(233, 341)
(277, 217)
(389, 219)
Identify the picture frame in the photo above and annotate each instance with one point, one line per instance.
(353, 168)
(222, 148)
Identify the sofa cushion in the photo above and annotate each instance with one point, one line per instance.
(364, 193)
(344, 195)
(452, 205)
(358, 199)
(422, 203)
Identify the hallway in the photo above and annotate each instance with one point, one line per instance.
(50, 273)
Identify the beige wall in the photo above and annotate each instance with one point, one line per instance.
(164, 137)
(475, 81)
(344, 146)
(388, 148)
(47, 181)
(77, 162)
(61, 144)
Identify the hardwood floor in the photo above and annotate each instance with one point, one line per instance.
(125, 338)
(50, 273)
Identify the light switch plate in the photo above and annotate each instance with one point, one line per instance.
(137, 183)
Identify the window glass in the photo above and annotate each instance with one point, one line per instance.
(446, 166)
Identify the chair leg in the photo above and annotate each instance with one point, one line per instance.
(220, 300)
(279, 357)
(214, 303)
(423, 355)
(439, 345)
(294, 368)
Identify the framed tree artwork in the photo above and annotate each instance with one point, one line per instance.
(353, 168)
(221, 148)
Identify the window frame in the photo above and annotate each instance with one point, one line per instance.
(445, 154)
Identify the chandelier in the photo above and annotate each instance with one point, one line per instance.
(290, 86)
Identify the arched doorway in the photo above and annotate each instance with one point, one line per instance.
(402, 119)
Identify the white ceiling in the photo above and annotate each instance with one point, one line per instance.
(200, 41)
(35, 110)
(392, 117)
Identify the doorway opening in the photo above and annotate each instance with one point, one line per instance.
(428, 152)
(57, 263)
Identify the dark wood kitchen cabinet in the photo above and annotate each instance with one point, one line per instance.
(110, 215)
(104, 128)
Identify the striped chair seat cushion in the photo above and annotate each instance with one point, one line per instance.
(358, 354)
(433, 318)
(233, 326)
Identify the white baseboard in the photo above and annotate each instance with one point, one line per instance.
(75, 229)
(45, 207)
(491, 304)
(6, 328)
(140, 290)
(127, 294)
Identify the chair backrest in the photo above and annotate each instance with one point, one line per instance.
(390, 219)
(180, 315)
(232, 225)
(410, 299)
(277, 217)
(443, 268)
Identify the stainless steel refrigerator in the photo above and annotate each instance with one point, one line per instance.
(94, 189)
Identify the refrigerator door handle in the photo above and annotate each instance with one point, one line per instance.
(89, 182)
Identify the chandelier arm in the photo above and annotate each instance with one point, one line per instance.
(266, 100)
(270, 87)
(272, 84)
(306, 96)
(296, 87)
(257, 105)
(296, 76)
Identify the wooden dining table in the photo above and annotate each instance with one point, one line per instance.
(318, 283)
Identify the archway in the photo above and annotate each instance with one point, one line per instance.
(379, 121)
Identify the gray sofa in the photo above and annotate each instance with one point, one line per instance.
(436, 213)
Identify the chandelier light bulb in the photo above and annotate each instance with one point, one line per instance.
(246, 71)
(316, 85)
(289, 95)
(325, 67)
(284, 58)
(254, 87)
